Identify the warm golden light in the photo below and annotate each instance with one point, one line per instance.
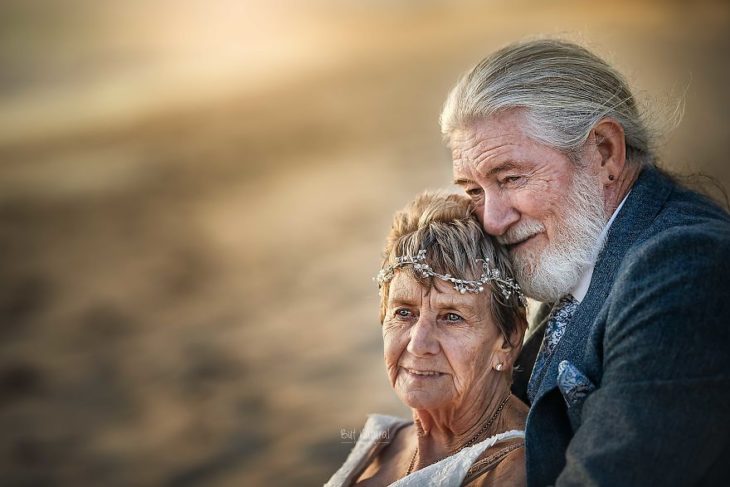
(193, 197)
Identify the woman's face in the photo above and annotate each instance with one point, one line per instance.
(440, 345)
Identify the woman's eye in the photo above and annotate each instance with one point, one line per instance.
(453, 318)
(403, 313)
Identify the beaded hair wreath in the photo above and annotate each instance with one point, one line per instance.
(506, 285)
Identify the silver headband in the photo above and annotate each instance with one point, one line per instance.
(506, 285)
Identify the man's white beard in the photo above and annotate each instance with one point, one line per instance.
(554, 272)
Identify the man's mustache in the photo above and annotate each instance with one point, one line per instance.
(521, 232)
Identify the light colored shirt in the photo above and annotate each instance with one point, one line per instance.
(581, 289)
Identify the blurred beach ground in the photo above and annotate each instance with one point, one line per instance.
(193, 200)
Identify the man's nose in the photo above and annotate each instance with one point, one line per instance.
(423, 340)
(498, 214)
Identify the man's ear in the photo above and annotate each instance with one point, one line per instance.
(611, 145)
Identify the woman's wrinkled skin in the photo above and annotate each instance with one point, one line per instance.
(441, 349)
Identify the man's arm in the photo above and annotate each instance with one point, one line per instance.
(661, 413)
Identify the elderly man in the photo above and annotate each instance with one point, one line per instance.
(631, 384)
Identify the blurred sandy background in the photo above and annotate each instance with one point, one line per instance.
(193, 197)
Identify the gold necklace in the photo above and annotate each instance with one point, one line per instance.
(487, 424)
(473, 440)
(413, 462)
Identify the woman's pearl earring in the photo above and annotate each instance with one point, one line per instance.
(498, 367)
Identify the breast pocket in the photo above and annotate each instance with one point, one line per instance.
(575, 388)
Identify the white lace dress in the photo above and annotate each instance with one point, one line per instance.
(379, 430)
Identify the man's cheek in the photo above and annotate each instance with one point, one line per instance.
(479, 211)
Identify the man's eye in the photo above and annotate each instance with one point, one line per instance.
(474, 192)
(512, 180)
(453, 318)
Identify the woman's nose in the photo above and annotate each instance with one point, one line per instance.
(498, 214)
(423, 338)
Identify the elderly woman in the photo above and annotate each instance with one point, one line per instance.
(453, 321)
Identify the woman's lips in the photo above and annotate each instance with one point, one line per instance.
(422, 373)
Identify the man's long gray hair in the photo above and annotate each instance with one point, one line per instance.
(564, 88)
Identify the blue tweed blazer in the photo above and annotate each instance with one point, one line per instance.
(638, 389)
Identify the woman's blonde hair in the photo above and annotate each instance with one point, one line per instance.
(445, 226)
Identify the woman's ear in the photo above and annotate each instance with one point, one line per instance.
(509, 347)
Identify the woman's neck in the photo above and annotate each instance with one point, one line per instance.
(444, 432)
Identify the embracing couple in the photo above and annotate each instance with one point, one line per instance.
(625, 378)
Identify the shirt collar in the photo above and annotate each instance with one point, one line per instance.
(581, 289)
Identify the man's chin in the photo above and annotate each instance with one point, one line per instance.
(545, 286)
(534, 283)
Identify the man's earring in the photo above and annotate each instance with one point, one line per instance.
(498, 367)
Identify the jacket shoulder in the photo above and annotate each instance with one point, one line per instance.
(670, 302)
(688, 231)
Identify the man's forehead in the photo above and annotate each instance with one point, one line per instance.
(484, 160)
(461, 167)
(474, 139)
(480, 148)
